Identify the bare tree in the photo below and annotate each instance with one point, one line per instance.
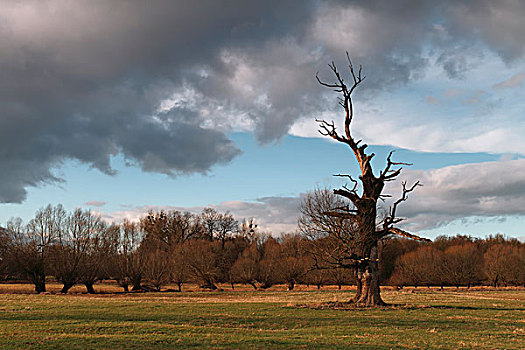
(210, 220)
(26, 256)
(317, 277)
(268, 272)
(29, 246)
(496, 262)
(166, 234)
(341, 276)
(77, 237)
(516, 271)
(157, 268)
(96, 256)
(227, 226)
(172, 227)
(130, 256)
(504, 264)
(421, 266)
(246, 268)
(462, 265)
(361, 209)
(4, 253)
(179, 267)
(226, 257)
(202, 262)
(292, 264)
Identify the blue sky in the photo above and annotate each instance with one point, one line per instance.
(121, 109)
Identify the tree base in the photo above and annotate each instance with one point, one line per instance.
(210, 286)
(66, 287)
(89, 288)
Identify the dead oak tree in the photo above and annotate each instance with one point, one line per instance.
(356, 242)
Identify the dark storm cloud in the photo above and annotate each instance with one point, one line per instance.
(498, 24)
(84, 80)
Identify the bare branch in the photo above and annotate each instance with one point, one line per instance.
(354, 181)
(388, 174)
(336, 87)
(337, 214)
(352, 196)
(399, 232)
(391, 218)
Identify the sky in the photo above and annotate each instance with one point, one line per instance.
(122, 107)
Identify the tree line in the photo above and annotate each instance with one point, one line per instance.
(457, 261)
(212, 248)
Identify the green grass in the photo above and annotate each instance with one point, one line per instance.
(247, 319)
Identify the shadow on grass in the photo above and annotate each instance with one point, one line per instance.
(350, 306)
(459, 307)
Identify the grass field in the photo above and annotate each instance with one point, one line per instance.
(261, 319)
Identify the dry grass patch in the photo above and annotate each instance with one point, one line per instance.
(263, 319)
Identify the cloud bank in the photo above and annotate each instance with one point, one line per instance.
(273, 215)
(490, 190)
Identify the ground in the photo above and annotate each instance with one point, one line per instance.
(422, 319)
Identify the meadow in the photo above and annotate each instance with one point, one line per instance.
(421, 319)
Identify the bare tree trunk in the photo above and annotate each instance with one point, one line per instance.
(368, 276)
(291, 285)
(358, 284)
(179, 285)
(123, 284)
(209, 285)
(89, 287)
(136, 282)
(136, 287)
(39, 280)
(40, 285)
(253, 285)
(66, 287)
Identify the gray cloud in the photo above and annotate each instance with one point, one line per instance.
(490, 190)
(499, 25)
(85, 81)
